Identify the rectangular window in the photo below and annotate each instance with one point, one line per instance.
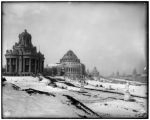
(13, 61)
(26, 61)
(32, 65)
(8, 67)
(26, 64)
(8, 61)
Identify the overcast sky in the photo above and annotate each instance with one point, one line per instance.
(110, 36)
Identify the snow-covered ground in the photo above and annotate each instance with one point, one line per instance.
(117, 108)
(67, 100)
(133, 89)
(18, 104)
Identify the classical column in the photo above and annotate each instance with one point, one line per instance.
(20, 64)
(39, 66)
(42, 66)
(16, 66)
(23, 64)
(10, 65)
(29, 64)
(35, 65)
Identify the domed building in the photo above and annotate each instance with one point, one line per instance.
(72, 67)
(95, 74)
(24, 59)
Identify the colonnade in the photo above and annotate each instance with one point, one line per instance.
(12, 65)
(76, 70)
(23, 66)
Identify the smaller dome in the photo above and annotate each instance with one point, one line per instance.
(70, 57)
(95, 72)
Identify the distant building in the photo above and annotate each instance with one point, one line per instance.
(53, 70)
(138, 77)
(134, 74)
(72, 66)
(69, 66)
(117, 74)
(95, 74)
(24, 59)
(87, 73)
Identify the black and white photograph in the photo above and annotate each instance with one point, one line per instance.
(69, 59)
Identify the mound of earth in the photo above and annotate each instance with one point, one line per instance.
(31, 103)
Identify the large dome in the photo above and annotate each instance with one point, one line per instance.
(70, 57)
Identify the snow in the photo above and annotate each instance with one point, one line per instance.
(53, 65)
(104, 101)
(31, 82)
(45, 81)
(132, 82)
(20, 79)
(134, 90)
(20, 104)
(59, 77)
(118, 108)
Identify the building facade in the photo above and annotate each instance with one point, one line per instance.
(69, 66)
(24, 59)
(53, 70)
